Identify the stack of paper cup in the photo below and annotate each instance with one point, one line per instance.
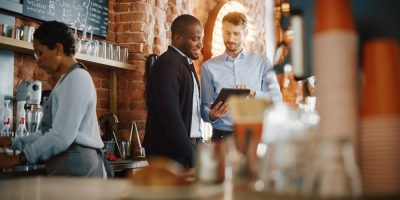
(335, 66)
(380, 121)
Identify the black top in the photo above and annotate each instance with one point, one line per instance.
(169, 103)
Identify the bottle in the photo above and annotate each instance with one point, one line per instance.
(6, 129)
(21, 129)
(289, 85)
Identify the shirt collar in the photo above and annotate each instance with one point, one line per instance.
(241, 55)
(190, 61)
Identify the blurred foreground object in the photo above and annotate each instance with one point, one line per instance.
(380, 119)
(289, 137)
(247, 118)
(334, 173)
(161, 172)
(335, 66)
(299, 94)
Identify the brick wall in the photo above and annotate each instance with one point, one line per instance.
(143, 26)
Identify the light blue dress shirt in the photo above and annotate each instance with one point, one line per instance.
(225, 72)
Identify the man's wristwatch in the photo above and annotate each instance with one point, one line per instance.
(22, 158)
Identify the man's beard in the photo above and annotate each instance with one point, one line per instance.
(232, 46)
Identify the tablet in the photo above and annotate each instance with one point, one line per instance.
(227, 92)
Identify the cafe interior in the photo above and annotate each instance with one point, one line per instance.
(335, 135)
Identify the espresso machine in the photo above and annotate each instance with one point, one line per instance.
(31, 92)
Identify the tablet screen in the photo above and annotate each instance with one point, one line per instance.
(227, 92)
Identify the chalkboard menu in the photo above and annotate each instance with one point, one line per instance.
(92, 13)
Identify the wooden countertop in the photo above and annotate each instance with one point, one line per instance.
(39, 169)
(49, 188)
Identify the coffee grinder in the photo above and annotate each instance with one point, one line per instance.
(31, 92)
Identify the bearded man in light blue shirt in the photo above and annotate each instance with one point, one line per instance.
(236, 68)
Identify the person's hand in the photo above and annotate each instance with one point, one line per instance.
(218, 111)
(5, 141)
(252, 93)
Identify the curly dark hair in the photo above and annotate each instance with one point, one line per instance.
(51, 32)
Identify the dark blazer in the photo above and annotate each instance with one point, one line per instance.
(169, 109)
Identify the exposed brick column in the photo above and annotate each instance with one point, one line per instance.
(140, 26)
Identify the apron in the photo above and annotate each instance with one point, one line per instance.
(77, 160)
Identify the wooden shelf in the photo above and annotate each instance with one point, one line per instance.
(16, 45)
(91, 61)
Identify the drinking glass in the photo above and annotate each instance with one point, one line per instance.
(102, 49)
(288, 142)
(109, 51)
(19, 33)
(117, 53)
(92, 46)
(125, 149)
(7, 30)
(28, 33)
(89, 45)
(78, 46)
(96, 48)
(334, 173)
(84, 41)
(124, 55)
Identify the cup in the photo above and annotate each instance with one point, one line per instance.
(7, 31)
(95, 49)
(102, 49)
(210, 162)
(28, 33)
(19, 32)
(109, 51)
(247, 139)
(125, 149)
(88, 47)
(142, 153)
(247, 118)
(334, 173)
(124, 55)
(381, 93)
(117, 53)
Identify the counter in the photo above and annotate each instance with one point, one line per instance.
(120, 167)
(49, 188)
(123, 167)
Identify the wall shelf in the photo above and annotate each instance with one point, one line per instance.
(91, 61)
(16, 45)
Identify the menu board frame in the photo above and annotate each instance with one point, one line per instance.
(81, 13)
